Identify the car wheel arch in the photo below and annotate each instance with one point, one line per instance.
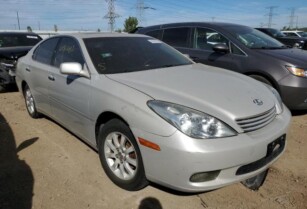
(103, 118)
(265, 76)
(23, 85)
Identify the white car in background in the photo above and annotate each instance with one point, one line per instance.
(295, 33)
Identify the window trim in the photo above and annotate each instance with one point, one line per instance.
(229, 44)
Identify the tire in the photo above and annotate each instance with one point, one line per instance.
(120, 156)
(30, 103)
(256, 182)
(261, 79)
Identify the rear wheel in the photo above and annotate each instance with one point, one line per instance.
(30, 103)
(120, 156)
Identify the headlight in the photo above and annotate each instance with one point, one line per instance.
(191, 122)
(279, 105)
(297, 71)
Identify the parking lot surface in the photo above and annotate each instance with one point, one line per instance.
(42, 165)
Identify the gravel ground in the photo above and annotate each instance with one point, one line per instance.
(44, 166)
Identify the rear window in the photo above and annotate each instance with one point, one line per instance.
(154, 33)
(14, 40)
(178, 37)
(112, 55)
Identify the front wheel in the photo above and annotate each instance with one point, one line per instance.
(120, 156)
(30, 103)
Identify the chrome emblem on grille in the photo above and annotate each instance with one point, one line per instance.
(258, 102)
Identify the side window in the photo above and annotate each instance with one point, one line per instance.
(176, 37)
(68, 51)
(45, 50)
(292, 34)
(236, 50)
(205, 38)
(154, 33)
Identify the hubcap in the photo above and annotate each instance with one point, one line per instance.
(120, 155)
(29, 101)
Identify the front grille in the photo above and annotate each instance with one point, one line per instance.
(257, 121)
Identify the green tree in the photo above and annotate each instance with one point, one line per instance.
(130, 24)
(118, 30)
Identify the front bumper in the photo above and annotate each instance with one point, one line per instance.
(181, 156)
(293, 90)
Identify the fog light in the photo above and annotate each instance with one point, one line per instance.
(205, 176)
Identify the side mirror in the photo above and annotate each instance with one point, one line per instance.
(221, 48)
(73, 68)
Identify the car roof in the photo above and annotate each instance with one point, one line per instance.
(99, 35)
(292, 31)
(17, 33)
(212, 24)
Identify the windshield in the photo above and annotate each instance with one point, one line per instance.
(129, 54)
(302, 34)
(14, 40)
(255, 39)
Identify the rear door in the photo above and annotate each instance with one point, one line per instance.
(36, 73)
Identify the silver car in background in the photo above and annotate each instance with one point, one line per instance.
(153, 114)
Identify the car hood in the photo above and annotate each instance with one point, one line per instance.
(212, 90)
(293, 56)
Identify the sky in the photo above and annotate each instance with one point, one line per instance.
(89, 14)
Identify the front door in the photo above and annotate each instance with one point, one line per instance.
(70, 94)
(203, 41)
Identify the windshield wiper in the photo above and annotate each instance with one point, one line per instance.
(173, 65)
(271, 47)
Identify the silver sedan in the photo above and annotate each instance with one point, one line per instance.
(153, 114)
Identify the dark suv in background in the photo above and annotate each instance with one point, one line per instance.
(299, 42)
(241, 49)
(12, 46)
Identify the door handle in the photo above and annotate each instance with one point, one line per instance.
(50, 77)
(28, 69)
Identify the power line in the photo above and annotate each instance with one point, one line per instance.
(111, 15)
(292, 16)
(271, 14)
(18, 20)
(140, 8)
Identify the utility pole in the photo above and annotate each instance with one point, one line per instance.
(39, 25)
(261, 25)
(296, 22)
(291, 23)
(212, 19)
(140, 8)
(111, 15)
(18, 21)
(271, 8)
